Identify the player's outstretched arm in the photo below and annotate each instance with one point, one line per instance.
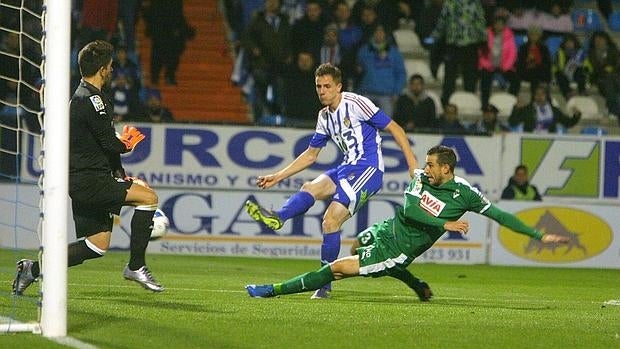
(303, 161)
(512, 222)
(403, 142)
(457, 226)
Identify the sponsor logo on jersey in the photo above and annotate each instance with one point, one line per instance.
(456, 194)
(431, 204)
(417, 187)
(97, 102)
(588, 235)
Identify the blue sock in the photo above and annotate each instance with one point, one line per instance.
(297, 204)
(330, 249)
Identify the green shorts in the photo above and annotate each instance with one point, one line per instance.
(378, 252)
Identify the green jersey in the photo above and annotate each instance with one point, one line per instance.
(420, 222)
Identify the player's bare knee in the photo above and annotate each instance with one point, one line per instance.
(306, 187)
(149, 199)
(98, 247)
(99, 243)
(330, 225)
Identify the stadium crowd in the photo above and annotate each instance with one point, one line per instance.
(475, 48)
(465, 54)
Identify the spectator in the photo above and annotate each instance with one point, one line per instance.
(368, 22)
(307, 32)
(268, 44)
(604, 58)
(449, 123)
(424, 27)
(127, 14)
(293, 9)
(534, 62)
(489, 123)
(389, 12)
(330, 51)
(462, 26)
(539, 115)
(497, 57)
(301, 102)
(154, 111)
(519, 187)
(350, 39)
(415, 110)
(558, 21)
(571, 65)
(168, 30)
(122, 99)
(382, 71)
(123, 65)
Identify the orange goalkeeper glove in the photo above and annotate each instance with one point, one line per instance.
(131, 137)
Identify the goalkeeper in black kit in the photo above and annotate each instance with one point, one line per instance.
(98, 186)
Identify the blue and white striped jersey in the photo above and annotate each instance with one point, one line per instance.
(354, 126)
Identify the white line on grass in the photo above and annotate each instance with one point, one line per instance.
(512, 300)
(167, 288)
(68, 341)
(73, 343)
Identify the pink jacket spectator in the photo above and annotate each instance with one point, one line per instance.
(509, 51)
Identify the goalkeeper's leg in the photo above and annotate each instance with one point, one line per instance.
(145, 201)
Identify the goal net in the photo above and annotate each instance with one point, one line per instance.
(34, 86)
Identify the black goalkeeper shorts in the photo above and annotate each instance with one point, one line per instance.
(95, 199)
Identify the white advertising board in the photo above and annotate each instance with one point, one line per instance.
(215, 223)
(226, 157)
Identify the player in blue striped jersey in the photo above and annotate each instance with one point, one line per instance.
(354, 123)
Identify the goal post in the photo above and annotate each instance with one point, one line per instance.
(57, 47)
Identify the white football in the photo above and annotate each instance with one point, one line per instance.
(161, 224)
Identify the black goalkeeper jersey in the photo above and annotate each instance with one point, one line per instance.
(93, 146)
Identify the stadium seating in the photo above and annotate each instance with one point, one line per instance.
(587, 105)
(435, 97)
(468, 103)
(503, 101)
(418, 66)
(441, 73)
(586, 20)
(407, 41)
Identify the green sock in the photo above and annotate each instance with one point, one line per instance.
(405, 276)
(305, 282)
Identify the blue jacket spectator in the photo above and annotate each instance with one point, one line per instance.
(382, 71)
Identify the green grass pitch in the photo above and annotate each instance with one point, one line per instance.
(205, 306)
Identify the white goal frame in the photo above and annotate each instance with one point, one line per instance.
(57, 36)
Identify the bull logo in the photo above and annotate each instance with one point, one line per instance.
(588, 234)
(550, 224)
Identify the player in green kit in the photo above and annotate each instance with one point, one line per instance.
(434, 202)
